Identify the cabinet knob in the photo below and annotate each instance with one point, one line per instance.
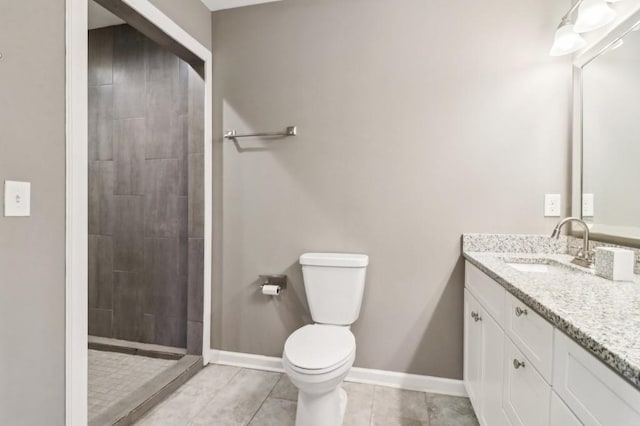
(517, 364)
(476, 317)
(520, 311)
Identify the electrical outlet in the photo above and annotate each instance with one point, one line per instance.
(587, 205)
(552, 205)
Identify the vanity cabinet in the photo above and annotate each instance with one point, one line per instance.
(520, 370)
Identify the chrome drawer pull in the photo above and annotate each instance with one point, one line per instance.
(520, 311)
(476, 317)
(517, 364)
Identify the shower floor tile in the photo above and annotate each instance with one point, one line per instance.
(113, 376)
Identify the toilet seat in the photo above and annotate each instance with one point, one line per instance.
(319, 348)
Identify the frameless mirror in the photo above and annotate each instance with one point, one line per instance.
(610, 145)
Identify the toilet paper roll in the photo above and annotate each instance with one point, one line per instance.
(271, 290)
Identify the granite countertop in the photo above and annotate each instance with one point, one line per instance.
(602, 316)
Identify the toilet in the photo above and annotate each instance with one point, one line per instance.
(317, 357)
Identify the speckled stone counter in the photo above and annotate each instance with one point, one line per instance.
(602, 316)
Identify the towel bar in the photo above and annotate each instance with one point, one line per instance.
(232, 134)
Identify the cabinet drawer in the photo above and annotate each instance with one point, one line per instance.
(597, 395)
(560, 415)
(531, 333)
(489, 293)
(526, 395)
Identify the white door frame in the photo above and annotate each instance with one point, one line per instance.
(76, 311)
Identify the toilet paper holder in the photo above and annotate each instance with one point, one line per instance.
(277, 280)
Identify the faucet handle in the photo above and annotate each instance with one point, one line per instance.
(585, 259)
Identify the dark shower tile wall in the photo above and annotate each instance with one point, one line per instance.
(145, 204)
(194, 237)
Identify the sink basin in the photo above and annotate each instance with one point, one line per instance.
(535, 267)
(538, 265)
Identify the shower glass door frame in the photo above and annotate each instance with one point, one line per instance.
(76, 310)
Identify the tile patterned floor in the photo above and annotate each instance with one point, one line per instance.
(221, 395)
(113, 376)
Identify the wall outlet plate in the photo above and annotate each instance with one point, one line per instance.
(587, 205)
(552, 205)
(17, 198)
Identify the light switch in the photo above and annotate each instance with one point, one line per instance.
(17, 198)
(552, 205)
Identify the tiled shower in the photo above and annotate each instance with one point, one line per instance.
(146, 201)
(146, 191)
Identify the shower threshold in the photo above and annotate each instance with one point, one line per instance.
(158, 371)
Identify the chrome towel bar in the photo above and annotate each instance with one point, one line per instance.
(232, 134)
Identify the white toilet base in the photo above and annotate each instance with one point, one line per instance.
(325, 409)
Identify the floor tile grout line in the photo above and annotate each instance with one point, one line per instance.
(265, 399)
(373, 399)
(274, 388)
(215, 394)
(426, 401)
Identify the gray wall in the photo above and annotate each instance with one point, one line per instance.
(139, 181)
(32, 148)
(418, 121)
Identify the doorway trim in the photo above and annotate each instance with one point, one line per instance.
(76, 244)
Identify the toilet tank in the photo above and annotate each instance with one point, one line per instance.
(334, 283)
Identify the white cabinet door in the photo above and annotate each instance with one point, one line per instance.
(560, 414)
(526, 395)
(492, 413)
(483, 366)
(597, 395)
(472, 350)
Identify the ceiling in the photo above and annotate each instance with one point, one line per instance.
(230, 4)
(100, 17)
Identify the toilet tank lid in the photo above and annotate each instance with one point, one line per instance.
(344, 260)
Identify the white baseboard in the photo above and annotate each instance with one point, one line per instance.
(370, 376)
(416, 382)
(239, 359)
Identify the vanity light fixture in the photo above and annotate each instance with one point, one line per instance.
(566, 41)
(592, 14)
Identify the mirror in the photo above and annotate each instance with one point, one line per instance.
(610, 145)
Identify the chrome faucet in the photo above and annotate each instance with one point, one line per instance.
(585, 256)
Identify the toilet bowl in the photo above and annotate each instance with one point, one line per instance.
(318, 357)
